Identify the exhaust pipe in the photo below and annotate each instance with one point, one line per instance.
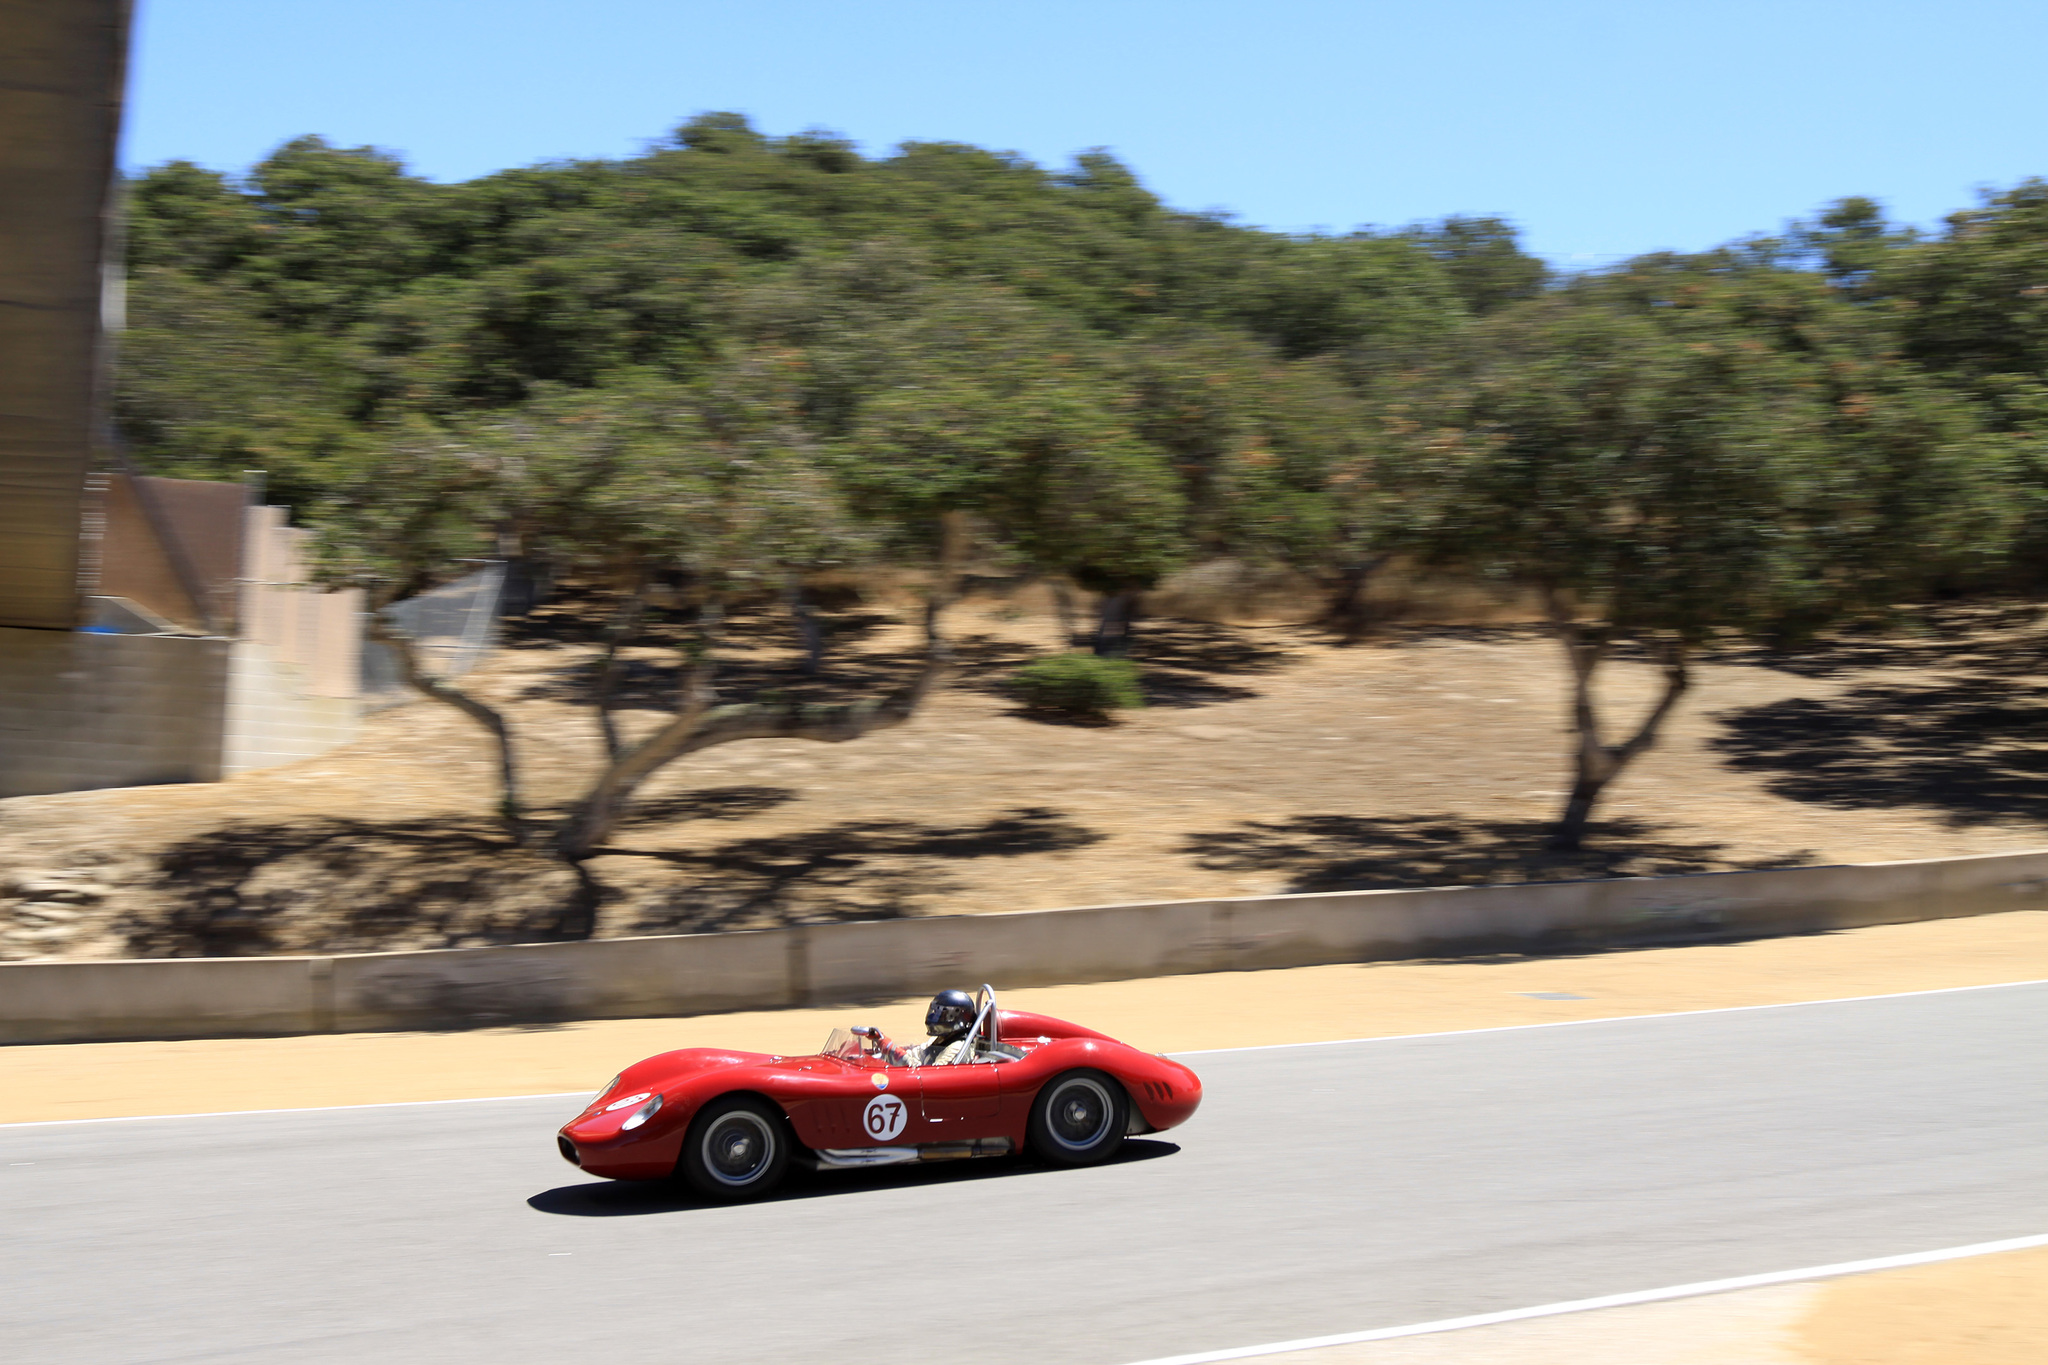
(849, 1158)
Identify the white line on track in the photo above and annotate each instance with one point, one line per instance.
(1549, 1310)
(1199, 1052)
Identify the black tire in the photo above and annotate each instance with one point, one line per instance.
(1078, 1118)
(737, 1148)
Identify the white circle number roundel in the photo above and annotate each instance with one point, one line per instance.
(884, 1118)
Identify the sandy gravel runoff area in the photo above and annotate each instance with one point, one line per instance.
(1990, 1310)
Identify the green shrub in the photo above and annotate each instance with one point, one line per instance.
(1078, 684)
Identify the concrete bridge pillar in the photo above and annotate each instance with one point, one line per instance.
(62, 68)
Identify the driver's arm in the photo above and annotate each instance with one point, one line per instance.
(890, 1054)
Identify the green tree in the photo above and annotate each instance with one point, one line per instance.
(997, 412)
(1283, 462)
(1972, 305)
(727, 485)
(1853, 243)
(1651, 488)
(1372, 299)
(1483, 259)
(209, 389)
(1927, 481)
(715, 479)
(1688, 448)
(409, 297)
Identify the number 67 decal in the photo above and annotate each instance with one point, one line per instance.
(884, 1118)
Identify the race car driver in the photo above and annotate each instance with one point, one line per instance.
(947, 1020)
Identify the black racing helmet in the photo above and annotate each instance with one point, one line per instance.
(951, 1012)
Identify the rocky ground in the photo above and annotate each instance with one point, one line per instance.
(1269, 759)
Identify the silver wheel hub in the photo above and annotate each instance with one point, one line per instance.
(1080, 1113)
(738, 1148)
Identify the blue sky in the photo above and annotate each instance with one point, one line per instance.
(1602, 129)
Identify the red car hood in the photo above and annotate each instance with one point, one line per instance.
(667, 1067)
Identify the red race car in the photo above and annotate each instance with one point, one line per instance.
(731, 1122)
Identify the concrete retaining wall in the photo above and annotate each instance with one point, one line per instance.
(79, 710)
(818, 964)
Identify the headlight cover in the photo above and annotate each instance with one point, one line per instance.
(642, 1114)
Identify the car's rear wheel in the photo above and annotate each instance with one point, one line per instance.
(737, 1148)
(1079, 1118)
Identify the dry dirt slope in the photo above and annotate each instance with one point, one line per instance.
(1269, 759)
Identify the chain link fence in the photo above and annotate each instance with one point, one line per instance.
(453, 627)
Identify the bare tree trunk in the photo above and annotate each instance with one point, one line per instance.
(625, 625)
(700, 725)
(808, 635)
(1063, 608)
(511, 807)
(1347, 605)
(1113, 623)
(1595, 763)
(593, 816)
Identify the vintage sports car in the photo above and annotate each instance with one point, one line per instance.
(730, 1123)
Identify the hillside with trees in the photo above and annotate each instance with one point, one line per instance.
(735, 361)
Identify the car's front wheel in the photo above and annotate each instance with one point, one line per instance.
(1079, 1118)
(737, 1148)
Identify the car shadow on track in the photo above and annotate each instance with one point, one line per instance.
(634, 1198)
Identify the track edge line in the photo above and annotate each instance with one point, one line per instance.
(1640, 1296)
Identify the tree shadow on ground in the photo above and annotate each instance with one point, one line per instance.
(713, 803)
(1987, 637)
(760, 661)
(581, 613)
(573, 614)
(332, 884)
(1410, 635)
(854, 870)
(1357, 853)
(1182, 663)
(1974, 748)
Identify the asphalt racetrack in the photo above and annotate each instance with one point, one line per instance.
(1321, 1189)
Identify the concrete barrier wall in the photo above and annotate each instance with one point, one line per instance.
(220, 997)
(825, 963)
